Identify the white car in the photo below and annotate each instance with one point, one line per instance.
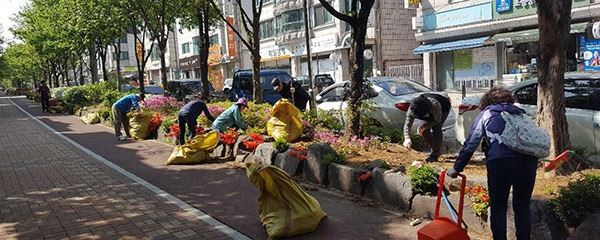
(391, 98)
(582, 98)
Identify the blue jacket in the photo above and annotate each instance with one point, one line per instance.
(126, 103)
(195, 108)
(490, 120)
(228, 118)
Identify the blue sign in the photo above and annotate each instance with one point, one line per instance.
(457, 17)
(503, 6)
(591, 54)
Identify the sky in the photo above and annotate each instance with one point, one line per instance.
(9, 8)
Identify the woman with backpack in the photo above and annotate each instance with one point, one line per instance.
(506, 167)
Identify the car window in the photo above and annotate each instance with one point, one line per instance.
(595, 95)
(191, 87)
(527, 95)
(577, 93)
(398, 88)
(334, 95)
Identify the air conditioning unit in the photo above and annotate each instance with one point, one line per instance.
(417, 23)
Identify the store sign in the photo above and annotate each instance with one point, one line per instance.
(138, 50)
(524, 3)
(214, 54)
(231, 39)
(463, 59)
(189, 62)
(457, 17)
(411, 4)
(591, 54)
(482, 64)
(504, 6)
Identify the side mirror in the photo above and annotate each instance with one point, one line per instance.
(318, 99)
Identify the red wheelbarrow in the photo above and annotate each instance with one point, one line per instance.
(442, 228)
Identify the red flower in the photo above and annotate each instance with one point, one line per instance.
(363, 177)
(485, 198)
(155, 122)
(173, 131)
(200, 130)
(229, 137)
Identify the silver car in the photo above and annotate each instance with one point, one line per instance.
(582, 98)
(391, 98)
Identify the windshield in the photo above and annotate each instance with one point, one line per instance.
(398, 88)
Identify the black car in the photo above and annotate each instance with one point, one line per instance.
(242, 84)
(321, 82)
(185, 89)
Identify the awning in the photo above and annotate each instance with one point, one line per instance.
(282, 57)
(449, 46)
(531, 35)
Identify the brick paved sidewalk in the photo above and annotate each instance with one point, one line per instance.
(50, 189)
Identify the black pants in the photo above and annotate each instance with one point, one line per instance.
(45, 103)
(184, 119)
(434, 136)
(502, 174)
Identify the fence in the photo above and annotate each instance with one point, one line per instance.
(413, 72)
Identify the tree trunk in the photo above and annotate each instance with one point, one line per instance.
(66, 72)
(117, 47)
(74, 69)
(356, 82)
(163, 63)
(93, 64)
(553, 21)
(204, 43)
(103, 62)
(81, 79)
(258, 97)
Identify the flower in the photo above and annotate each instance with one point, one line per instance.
(365, 176)
(200, 130)
(229, 137)
(215, 110)
(173, 131)
(255, 140)
(162, 104)
(155, 122)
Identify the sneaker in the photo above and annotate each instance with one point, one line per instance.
(121, 138)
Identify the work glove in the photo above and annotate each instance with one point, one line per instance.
(407, 143)
(452, 173)
(422, 131)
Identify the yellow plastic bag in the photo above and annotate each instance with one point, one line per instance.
(90, 118)
(285, 209)
(139, 123)
(195, 150)
(285, 121)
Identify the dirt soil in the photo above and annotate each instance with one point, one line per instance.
(547, 183)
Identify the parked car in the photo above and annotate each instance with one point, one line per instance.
(148, 90)
(242, 84)
(185, 89)
(391, 98)
(582, 99)
(321, 82)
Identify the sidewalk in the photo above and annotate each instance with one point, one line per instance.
(52, 190)
(222, 192)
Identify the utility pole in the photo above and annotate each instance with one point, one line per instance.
(313, 103)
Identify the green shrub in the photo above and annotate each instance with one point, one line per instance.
(257, 115)
(105, 113)
(324, 119)
(393, 135)
(281, 145)
(424, 180)
(578, 200)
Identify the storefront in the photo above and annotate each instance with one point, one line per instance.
(190, 67)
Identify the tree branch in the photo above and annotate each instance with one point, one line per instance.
(260, 8)
(245, 17)
(230, 25)
(335, 13)
(244, 14)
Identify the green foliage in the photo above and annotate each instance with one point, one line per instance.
(167, 123)
(257, 115)
(578, 200)
(338, 157)
(423, 180)
(105, 113)
(393, 135)
(90, 94)
(281, 145)
(324, 119)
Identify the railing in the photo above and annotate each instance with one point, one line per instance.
(412, 72)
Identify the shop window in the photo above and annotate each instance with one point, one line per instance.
(527, 95)
(196, 47)
(266, 29)
(322, 16)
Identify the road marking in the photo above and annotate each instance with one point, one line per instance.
(181, 204)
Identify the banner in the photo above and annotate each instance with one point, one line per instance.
(591, 54)
(231, 39)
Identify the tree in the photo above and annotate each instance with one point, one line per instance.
(159, 17)
(553, 20)
(251, 26)
(203, 17)
(357, 18)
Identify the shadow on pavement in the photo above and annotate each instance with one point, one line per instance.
(221, 192)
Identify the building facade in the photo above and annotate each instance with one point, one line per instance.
(478, 43)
